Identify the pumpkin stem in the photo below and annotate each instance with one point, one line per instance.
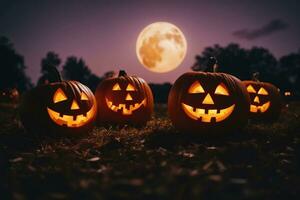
(255, 76)
(122, 73)
(212, 64)
(54, 74)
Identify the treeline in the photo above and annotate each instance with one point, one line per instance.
(73, 69)
(283, 72)
(242, 63)
(13, 67)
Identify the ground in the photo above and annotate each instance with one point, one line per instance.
(153, 162)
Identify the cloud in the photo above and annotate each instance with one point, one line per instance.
(272, 27)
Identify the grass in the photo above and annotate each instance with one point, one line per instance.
(154, 162)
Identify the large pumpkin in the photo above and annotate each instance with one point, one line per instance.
(208, 103)
(265, 100)
(63, 107)
(124, 100)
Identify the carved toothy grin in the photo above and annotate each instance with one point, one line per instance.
(125, 111)
(207, 115)
(70, 120)
(263, 108)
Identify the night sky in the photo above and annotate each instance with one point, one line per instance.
(104, 33)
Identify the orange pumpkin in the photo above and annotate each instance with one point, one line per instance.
(265, 100)
(124, 100)
(207, 103)
(62, 107)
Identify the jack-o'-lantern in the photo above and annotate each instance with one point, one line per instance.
(9, 95)
(265, 100)
(58, 108)
(287, 93)
(206, 102)
(124, 100)
(287, 97)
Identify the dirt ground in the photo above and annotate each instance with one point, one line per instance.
(153, 162)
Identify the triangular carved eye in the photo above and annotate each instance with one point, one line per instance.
(196, 88)
(250, 89)
(262, 91)
(221, 90)
(130, 87)
(116, 87)
(84, 97)
(59, 96)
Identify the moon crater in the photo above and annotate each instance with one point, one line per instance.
(161, 47)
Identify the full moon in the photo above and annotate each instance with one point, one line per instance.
(161, 47)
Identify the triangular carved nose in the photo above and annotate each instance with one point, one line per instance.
(74, 105)
(128, 97)
(256, 99)
(208, 100)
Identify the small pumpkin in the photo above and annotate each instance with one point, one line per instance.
(124, 100)
(62, 107)
(208, 103)
(287, 97)
(9, 95)
(265, 100)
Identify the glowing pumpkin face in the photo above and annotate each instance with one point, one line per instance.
(124, 100)
(265, 100)
(60, 107)
(260, 101)
(208, 111)
(213, 102)
(72, 110)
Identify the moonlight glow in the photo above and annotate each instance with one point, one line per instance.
(161, 47)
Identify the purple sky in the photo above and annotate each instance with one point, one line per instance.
(104, 33)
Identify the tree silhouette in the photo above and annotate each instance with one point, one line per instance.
(289, 74)
(262, 61)
(76, 69)
(239, 62)
(93, 82)
(160, 92)
(51, 60)
(12, 67)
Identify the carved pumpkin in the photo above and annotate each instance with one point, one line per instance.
(206, 102)
(58, 108)
(9, 95)
(287, 93)
(265, 100)
(124, 100)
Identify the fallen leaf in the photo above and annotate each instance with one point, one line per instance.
(215, 178)
(18, 159)
(211, 148)
(94, 159)
(221, 166)
(31, 168)
(207, 165)
(194, 172)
